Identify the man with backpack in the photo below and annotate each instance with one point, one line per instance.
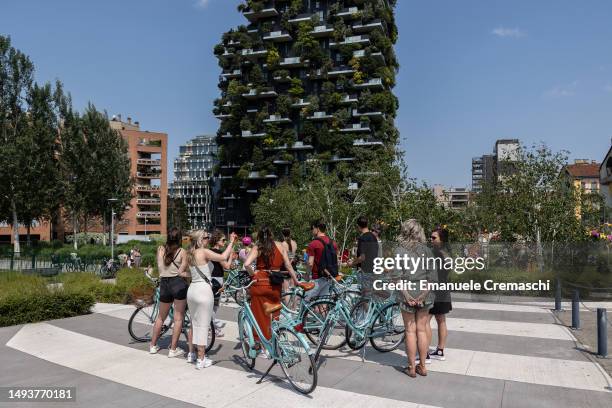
(322, 260)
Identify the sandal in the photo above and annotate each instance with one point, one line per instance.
(420, 371)
(408, 371)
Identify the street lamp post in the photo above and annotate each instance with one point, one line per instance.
(112, 201)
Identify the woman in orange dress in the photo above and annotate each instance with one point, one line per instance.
(270, 255)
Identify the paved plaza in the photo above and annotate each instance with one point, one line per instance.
(498, 356)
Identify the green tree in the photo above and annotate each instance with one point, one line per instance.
(178, 215)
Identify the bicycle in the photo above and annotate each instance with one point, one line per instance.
(314, 313)
(287, 345)
(140, 325)
(108, 269)
(379, 321)
(235, 278)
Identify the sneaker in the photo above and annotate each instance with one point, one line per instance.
(178, 352)
(153, 349)
(218, 324)
(438, 354)
(219, 333)
(191, 358)
(200, 364)
(427, 360)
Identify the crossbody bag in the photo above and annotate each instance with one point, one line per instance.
(214, 284)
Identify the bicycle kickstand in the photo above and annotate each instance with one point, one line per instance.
(267, 372)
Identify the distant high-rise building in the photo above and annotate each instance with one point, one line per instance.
(491, 168)
(483, 172)
(303, 81)
(455, 198)
(194, 181)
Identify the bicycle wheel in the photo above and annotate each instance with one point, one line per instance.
(314, 319)
(238, 297)
(387, 330)
(141, 323)
(359, 314)
(295, 360)
(245, 332)
(211, 337)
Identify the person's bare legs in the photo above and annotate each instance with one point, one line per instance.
(164, 309)
(442, 331)
(190, 340)
(201, 352)
(179, 315)
(428, 328)
(411, 339)
(422, 317)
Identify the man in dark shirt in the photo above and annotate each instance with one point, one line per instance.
(367, 250)
(315, 251)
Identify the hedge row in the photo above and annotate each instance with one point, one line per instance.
(28, 299)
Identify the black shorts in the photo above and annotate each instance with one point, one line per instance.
(171, 289)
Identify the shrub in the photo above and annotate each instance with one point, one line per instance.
(28, 299)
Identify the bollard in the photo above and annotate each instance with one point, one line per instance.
(602, 332)
(576, 310)
(558, 295)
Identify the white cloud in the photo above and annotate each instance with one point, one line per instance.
(504, 32)
(202, 3)
(562, 91)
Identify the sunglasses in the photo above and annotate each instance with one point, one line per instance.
(206, 237)
(433, 238)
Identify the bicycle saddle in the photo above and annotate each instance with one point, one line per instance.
(270, 308)
(338, 278)
(306, 286)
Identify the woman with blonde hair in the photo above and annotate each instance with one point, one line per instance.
(200, 297)
(415, 304)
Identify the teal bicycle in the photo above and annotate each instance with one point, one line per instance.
(287, 346)
(380, 322)
(140, 325)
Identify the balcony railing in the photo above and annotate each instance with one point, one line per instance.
(355, 39)
(293, 62)
(279, 36)
(372, 83)
(254, 94)
(148, 175)
(248, 133)
(348, 12)
(356, 127)
(322, 31)
(300, 103)
(148, 201)
(148, 162)
(320, 116)
(148, 214)
(276, 119)
(148, 188)
(253, 16)
(367, 142)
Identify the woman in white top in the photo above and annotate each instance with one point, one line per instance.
(200, 298)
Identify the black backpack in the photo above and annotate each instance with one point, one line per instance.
(329, 259)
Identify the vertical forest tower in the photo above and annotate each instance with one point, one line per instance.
(305, 80)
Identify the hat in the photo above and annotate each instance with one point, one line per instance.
(246, 240)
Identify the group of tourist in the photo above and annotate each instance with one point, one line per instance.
(193, 278)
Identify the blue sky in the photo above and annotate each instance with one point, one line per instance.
(471, 71)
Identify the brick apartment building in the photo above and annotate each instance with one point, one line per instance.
(148, 208)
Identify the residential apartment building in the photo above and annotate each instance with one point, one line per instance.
(303, 81)
(194, 179)
(492, 168)
(584, 174)
(148, 154)
(605, 181)
(454, 198)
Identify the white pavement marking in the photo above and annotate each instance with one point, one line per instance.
(500, 307)
(583, 375)
(173, 378)
(110, 307)
(536, 330)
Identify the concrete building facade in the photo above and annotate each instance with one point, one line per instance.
(194, 179)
